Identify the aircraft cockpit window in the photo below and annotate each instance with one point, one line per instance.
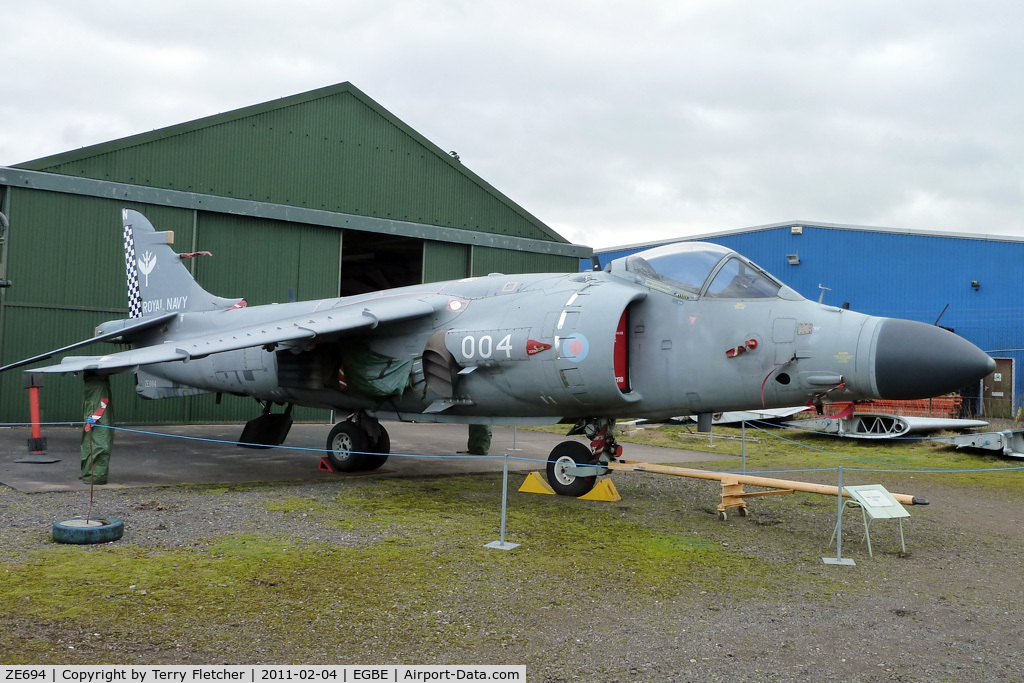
(683, 267)
(738, 279)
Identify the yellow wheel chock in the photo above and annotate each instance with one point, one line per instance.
(604, 490)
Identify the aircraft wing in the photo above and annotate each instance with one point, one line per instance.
(125, 333)
(332, 321)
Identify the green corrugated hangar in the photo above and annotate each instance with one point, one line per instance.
(321, 194)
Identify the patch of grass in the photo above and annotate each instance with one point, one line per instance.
(233, 487)
(428, 585)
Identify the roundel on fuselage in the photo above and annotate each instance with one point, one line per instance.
(574, 347)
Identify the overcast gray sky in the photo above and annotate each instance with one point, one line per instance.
(614, 122)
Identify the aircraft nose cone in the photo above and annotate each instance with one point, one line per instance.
(915, 360)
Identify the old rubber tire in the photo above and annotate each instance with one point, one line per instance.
(82, 531)
(380, 449)
(570, 454)
(347, 445)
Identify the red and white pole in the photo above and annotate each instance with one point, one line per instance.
(33, 381)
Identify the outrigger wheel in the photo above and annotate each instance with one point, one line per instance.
(564, 456)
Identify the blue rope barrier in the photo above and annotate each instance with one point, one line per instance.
(917, 469)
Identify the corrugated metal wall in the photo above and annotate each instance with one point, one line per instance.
(334, 149)
(266, 261)
(445, 261)
(487, 260)
(66, 259)
(66, 256)
(901, 275)
(894, 274)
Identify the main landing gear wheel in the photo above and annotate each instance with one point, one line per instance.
(351, 449)
(565, 455)
(347, 447)
(380, 449)
(83, 531)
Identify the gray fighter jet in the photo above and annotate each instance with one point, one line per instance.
(691, 328)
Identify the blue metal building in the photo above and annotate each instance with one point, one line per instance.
(971, 284)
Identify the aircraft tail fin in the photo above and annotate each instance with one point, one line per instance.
(158, 282)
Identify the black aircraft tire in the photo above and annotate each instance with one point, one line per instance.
(570, 453)
(347, 445)
(380, 449)
(374, 461)
(81, 531)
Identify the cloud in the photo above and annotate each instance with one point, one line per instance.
(611, 121)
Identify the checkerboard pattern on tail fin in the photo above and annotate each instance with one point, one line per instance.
(131, 274)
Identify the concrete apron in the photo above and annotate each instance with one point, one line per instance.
(142, 458)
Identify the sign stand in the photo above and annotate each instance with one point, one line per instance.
(875, 503)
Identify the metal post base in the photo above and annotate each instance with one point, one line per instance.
(844, 561)
(37, 459)
(501, 545)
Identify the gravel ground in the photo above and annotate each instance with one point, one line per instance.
(948, 610)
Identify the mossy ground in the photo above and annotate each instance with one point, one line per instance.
(421, 586)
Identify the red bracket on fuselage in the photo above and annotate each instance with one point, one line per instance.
(533, 347)
(748, 345)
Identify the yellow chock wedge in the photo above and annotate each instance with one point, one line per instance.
(604, 491)
(536, 484)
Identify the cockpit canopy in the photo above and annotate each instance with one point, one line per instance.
(701, 269)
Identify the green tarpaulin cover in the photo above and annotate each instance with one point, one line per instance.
(371, 374)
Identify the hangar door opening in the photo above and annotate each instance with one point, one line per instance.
(371, 261)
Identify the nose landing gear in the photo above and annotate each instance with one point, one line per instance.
(573, 468)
